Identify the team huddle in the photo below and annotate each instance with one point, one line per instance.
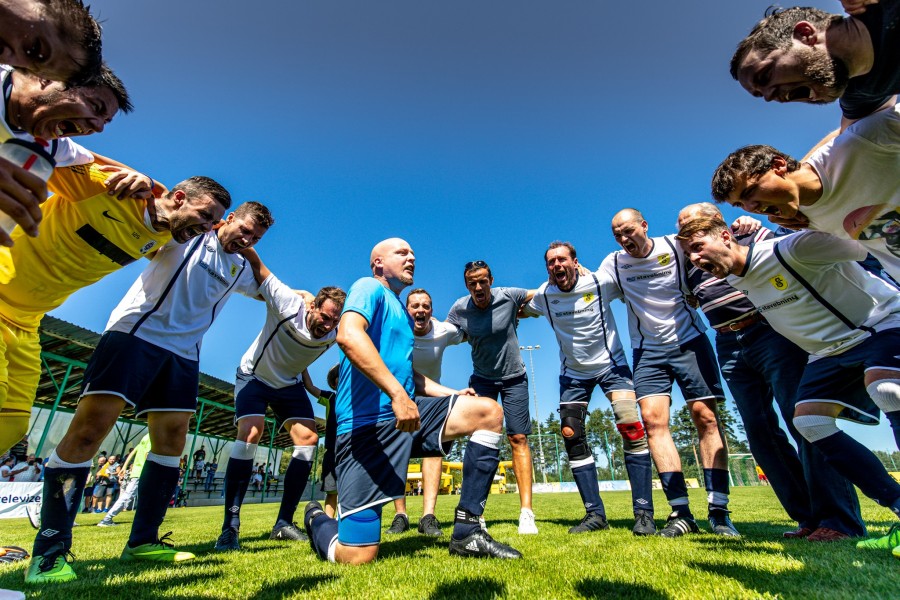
(806, 319)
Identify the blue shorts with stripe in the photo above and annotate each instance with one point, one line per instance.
(579, 391)
(692, 365)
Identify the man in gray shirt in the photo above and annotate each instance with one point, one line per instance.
(488, 318)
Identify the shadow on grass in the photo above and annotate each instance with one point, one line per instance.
(409, 544)
(291, 587)
(471, 588)
(603, 589)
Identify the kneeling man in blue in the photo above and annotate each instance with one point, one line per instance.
(387, 413)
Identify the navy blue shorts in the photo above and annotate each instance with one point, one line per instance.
(514, 395)
(329, 477)
(840, 379)
(373, 460)
(251, 396)
(147, 377)
(692, 364)
(579, 391)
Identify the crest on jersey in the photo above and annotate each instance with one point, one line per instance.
(233, 270)
(664, 259)
(588, 297)
(779, 282)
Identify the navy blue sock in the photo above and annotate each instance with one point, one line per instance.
(717, 488)
(589, 488)
(294, 483)
(640, 476)
(675, 490)
(237, 480)
(894, 419)
(155, 490)
(322, 530)
(479, 465)
(860, 467)
(61, 500)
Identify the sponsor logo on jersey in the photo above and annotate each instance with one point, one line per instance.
(779, 282)
(664, 259)
(588, 297)
(106, 214)
(233, 270)
(146, 247)
(648, 276)
(778, 303)
(212, 272)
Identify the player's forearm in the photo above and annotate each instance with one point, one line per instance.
(309, 385)
(429, 387)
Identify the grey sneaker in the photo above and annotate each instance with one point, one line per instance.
(106, 523)
(399, 524)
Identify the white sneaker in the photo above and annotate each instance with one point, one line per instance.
(527, 525)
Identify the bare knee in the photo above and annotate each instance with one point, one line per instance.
(355, 555)
(704, 417)
(518, 440)
(249, 430)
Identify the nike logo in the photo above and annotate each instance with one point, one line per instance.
(111, 218)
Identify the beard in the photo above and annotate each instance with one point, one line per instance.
(826, 71)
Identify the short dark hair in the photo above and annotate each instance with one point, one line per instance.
(704, 225)
(78, 29)
(335, 294)
(332, 377)
(204, 186)
(476, 265)
(107, 79)
(776, 30)
(417, 291)
(557, 244)
(256, 211)
(747, 161)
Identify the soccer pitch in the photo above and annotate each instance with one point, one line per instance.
(607, 564)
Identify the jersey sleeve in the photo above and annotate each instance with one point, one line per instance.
(535, 306)
(77, 183)
(607, 277)
(364, 298)
(69, 153)
(455, 335)
(247, 284)
(453, 316)
(816, 247)
(517, 295)
(280, 297)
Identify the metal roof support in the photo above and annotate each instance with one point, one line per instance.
(273, 425)
(60, 391)
(194, 441)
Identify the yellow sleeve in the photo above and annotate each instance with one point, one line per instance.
(78, 182)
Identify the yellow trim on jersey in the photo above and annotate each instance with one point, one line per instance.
(85, 235)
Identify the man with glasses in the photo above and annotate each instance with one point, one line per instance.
(489, 319)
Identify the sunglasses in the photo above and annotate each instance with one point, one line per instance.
(475, 264)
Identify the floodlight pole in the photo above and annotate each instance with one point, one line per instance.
(530, 350)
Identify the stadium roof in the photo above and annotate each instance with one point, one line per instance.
(66, 350)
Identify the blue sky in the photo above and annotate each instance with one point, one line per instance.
(475, 130)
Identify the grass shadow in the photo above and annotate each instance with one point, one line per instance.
(291, 587)
(602, 589)
(407, 545)
(471, 588)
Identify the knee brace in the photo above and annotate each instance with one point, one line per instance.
(634, 439)
(362, 528)
(885, 393)
(572, 417)
(815, 427)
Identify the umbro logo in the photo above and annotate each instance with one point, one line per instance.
(234, 509)
(642, 501)
(554, 302)
(473, 546)
(625, 266)
(49, 533)
(110, 217)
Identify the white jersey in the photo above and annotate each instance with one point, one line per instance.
(860, 174)
(180, 294)
(812, 293)
(63, 150)
(285, 345)
(584, 325)
(654, 291)
(428, 349)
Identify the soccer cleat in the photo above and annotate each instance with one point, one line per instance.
(592, 521)
(482, 523)
(677, 526)
(11, 554)
(162, 550)
(480, 544)
(885, 542)
(313, 509)
(721, 524)
(105, 522)
(429, 525)
(643, 523)
(33, 511)
(825, 534)
(228, 540)
(527, 526)
(798, 534)
(399, 524)
(289, 532)
(52, 567)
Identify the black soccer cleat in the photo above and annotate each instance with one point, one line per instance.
(288, 532)
(721, 524)
(643, 523)
(228, 541)
(429, 525)
(480, 544)
(592, 521)
(313, 509)
(399, 524)
(678, 525)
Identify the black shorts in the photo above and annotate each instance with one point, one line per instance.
(147, 377)
(692, 364)
(251, 396)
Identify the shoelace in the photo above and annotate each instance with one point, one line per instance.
(166, 540)
(49, 561)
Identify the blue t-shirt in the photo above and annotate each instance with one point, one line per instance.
(360, 402)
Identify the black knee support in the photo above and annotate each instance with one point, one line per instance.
(572, 417)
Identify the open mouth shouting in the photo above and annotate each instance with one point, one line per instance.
(68, 128)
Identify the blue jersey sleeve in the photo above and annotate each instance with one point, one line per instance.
(363, 297)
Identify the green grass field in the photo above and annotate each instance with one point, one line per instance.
(609, 564)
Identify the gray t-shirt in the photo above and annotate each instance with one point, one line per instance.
(492, 332)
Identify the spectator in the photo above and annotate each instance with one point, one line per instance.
(6, 468)
(101, 484)
(211, 468)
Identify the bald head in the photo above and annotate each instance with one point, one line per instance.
(700, 209)
(393, 263)
(627, 215)
(384, 247)
(630, 230)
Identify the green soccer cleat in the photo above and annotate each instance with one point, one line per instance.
(885, 542)
(160, 551)
(52, 567)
